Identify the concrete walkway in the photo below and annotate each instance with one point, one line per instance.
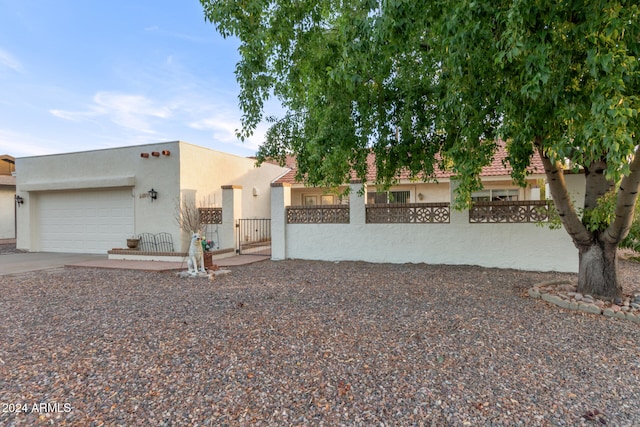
(18, 263)
(234, 261)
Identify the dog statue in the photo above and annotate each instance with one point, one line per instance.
(196, 258)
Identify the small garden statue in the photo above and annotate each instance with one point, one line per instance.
(195, 262)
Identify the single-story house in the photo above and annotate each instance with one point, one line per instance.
(93, 201)
(496, 178)
(414, 222)
(8, 202)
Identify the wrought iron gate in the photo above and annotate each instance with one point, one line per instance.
(254, 236)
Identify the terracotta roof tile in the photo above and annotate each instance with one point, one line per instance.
(289, 177)
(496, 168)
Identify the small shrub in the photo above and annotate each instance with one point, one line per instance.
(632, 241)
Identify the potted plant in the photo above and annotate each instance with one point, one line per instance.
(207, 247)
(132, 242)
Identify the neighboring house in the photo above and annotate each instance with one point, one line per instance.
(93, 201)
(8, 203)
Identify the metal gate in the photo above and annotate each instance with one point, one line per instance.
(254, 236)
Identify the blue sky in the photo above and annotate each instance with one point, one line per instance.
(80, 75)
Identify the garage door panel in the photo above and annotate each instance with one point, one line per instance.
(92, 221)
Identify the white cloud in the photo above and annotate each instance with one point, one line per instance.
(74, 116)
(224, 119)
(222, 126)
(7, 60)
(180, 35)
(125, 110)
(138, 119)
(130, 111)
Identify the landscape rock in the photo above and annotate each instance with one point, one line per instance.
(312, 343)
(620, 315)
(589, 308)
(557, 294)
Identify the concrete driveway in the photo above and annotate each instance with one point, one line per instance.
(16, 263)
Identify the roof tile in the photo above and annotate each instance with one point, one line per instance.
(496, 168)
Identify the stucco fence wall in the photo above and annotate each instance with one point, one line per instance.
(7, 213)
(523, 246)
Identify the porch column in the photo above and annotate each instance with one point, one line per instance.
(460, 218)
(280, 199)
(357, 202)
(231, 213)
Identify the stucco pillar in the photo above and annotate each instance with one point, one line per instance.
(456, 217)
(357, 202)
(280, 199)
(231, 213)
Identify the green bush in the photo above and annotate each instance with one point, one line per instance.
(632, 241)
(600, 217)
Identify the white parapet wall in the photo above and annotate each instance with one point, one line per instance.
(518, 246)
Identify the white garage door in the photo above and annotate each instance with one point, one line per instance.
(92, 221)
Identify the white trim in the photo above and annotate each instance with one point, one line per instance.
(81, 184)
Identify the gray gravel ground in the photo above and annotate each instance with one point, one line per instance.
(310, 343)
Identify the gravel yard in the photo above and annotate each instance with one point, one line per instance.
(310, 343)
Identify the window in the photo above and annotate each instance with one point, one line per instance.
(495, 195)
(328, 200)
(388, 197)
(316, 199)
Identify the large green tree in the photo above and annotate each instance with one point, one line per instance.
(425, 84)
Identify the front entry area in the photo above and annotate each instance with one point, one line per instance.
(254, 236)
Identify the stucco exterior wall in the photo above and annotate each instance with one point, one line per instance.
(208, 170)
(100, 169)
(162, 173)
(7, 212)
(179, 171)
(430, 192)
(519, 246)
(203, 173)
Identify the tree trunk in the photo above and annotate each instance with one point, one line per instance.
(598, 270)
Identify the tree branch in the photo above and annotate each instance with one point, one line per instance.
(625, 203)
(564, 206)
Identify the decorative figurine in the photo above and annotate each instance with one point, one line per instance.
(196, 257)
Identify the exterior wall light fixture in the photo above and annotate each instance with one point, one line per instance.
(153, 194)
(19, 200)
